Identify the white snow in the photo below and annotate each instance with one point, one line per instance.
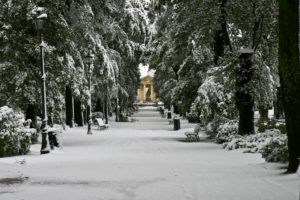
(42, 16)
(144, 70)
(246, 50)
(144, 160)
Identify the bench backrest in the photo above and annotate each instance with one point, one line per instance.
(100, 121)
(197, 128)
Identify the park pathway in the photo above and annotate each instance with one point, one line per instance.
(143, 160)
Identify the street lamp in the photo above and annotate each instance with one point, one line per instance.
(89, 61)
(39, 24)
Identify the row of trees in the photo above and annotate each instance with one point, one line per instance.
(218, 60)
(115, 31)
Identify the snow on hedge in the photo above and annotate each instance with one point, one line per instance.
(15, 139)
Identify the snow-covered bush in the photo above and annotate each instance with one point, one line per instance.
(271, 124)
(225, 131)
(276, 150)
(192, 117)
(271, 144)
(15, 139)
(214, 102)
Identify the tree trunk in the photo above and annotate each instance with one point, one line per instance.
(106, 108)
(278, 107)
(243, 96)
(221, 36)
(98, 107)
(218, 46)
(263, 113)
(78, 113)
(117, 110)
(69, 107)
(289, 71)
(31, 114)
(176, 110)
(50, 121)
(85, 115)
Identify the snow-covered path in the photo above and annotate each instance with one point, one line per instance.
(144, 160)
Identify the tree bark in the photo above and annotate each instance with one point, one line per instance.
(69, 107)
(31, 114)
(176, 110)
(106, 105)
(221, 35)
(289, 71)
(78, 113)
(243, 96)
(98, 107)
(278, 107)
(85, 115)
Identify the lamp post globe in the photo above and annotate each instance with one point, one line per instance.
(89, 61)
(39, 24)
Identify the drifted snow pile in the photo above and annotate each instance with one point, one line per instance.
(15, 138)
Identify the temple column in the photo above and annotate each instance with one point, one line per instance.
(144, 92)
(152, 93)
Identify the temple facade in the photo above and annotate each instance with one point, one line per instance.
(146, 90)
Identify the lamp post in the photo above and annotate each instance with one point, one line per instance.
(89, 60)
(39, 24)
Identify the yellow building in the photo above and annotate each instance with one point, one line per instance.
(146, 90)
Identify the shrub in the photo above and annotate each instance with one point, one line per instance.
(192, 117)
(235, 142)
(15, 139)
(271, 144)
(226, 131)
(276, 150)
(270, 124)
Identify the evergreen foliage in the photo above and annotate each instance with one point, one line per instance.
(115, 31)
(197, 45)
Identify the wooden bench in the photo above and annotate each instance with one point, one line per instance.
(193, 136)
(101, 124)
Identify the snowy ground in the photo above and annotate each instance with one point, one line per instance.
(144, 160)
